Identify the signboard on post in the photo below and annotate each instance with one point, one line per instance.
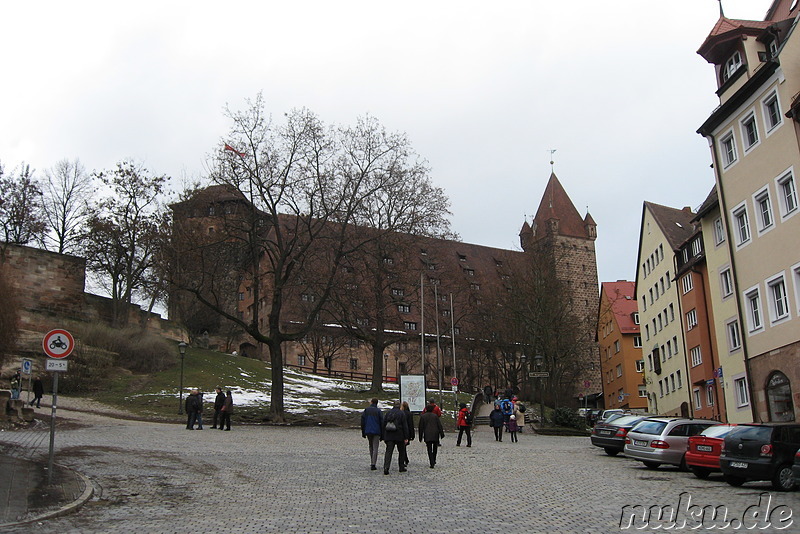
(27, 366)
(543, 374)
(59, 366)
(58, 343)
(412, 391)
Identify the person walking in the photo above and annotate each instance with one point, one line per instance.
(487, 394)
(519, 413)
(410, 437)
(395, 434)
(16, 385)
(371, 428)
(512, 428)
(192, 408)
(434, 408)
(199, 410)
(219, 402)
(38, 391)
(496, 421)
(226, 411)
(464, 423)
(430, 431)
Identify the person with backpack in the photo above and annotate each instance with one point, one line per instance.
(464, 422)
(496, 421)
(507, 408)
(395, 434)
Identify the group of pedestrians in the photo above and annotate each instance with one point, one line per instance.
(37, 388)
(508, 413)
(396, 429)
(223, 408)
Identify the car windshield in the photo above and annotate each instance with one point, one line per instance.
(649, 427)
(613, 417)
(627, 420)
(753, 433)
(717, 431)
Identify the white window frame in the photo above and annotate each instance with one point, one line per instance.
(755, 313)
(731, 65)
(726, 282)
(642, 392)
(719, 231)
(697, 356)
(766, 103)
(762, 206)
(734, 334)
(749, 119)
(740, 391)
(637, 342)
(795, 269)
(698, 403)
(728, 154)
(697, 247)
(709, 395)
(787, 203)
(639, 366)
(691, 319)
(687, 283)
(778, 304)
(619, 370)
(741, 222)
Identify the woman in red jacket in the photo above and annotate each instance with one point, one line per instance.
(463, 425)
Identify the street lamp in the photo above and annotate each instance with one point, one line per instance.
(524, 393)
(182, 348)
(537, 361)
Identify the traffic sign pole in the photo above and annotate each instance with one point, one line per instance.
(57, 344)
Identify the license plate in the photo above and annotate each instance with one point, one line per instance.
(740, 465)
(704, 448)
(640, 443)
(605, 432)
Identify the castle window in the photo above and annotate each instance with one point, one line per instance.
(403, 308)
(462, 257)
(398, 292)
(410, 325)
(388, 261)
(301, 359)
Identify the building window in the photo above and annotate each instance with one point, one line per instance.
(671, 312)
(616, 347)
(763, 210)
(734, 336)
(742, 224)
(728, 144)
(678, 375)
(731, 66)
(306, 297)
(697, 357)
(661, 389)
(691, 319)
(403, 308)
(672, 381)
(635, 317)
(697, 402)
(740, 392)
(719, 231)
(388, 261)
(687, 282)
(301, 359)
(749, 132)
(398, 292)
(779, 398)
(637, 342)
(470, 272)
(726, 282)
(752, 299)
(241, 295)
(709, 395)
(787, 194)
(353, 364)
(639, 366)
(410, 325)
(619, 370)
(778, 299)
(647, 332)
(772, 112)
(697, 247)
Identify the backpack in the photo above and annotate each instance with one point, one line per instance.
(521, 408)
(468, 417)
(506, 407)
(391, 426)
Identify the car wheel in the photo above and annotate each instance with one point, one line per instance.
(610, 451)
(652, 465)
(734, 481)
(701, 472)
(682, 466)
(783, 479)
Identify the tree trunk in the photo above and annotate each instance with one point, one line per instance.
(377, 369)
(276, 394)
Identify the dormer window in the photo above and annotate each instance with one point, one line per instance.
(731, 66)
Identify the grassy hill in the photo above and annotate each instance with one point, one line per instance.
(309, 399)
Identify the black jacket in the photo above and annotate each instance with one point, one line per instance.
(192, 403)
(38, 388)
(396, 415)
(409, 424)
(496, 418)
(430, 427)
(219, 401)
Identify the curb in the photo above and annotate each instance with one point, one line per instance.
(63, 510)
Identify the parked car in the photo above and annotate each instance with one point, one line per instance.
(702, 452)
(761, 452)
(605, 414)
(662, 440)
(796, 467)
(610, 435)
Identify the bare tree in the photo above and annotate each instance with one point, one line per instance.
(321, 346)
(301, 186)
(66, 194)
(122, 234)
(20, 207)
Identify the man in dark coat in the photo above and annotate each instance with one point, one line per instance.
(192, 409)
(395, 434)
(219, 402)
(430, 431)
(226, 411)
(496, 421)
(371, 428)
(38, 391)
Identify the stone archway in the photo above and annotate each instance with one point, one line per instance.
(779, 397)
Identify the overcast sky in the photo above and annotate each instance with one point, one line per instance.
(483, 90)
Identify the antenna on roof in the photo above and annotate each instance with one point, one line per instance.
(552, 151)
(721, 13)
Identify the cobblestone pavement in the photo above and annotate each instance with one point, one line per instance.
(160, 478)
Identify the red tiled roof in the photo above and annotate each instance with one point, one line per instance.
(726, 30)
(620, 295)
(556, 204)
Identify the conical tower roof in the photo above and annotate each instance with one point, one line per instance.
(556, 204)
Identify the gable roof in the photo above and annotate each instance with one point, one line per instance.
(725, 31)
(556, 204)
(675, 224)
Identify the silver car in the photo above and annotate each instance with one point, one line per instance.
(662, 440)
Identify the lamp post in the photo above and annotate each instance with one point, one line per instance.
(524, 393)
(182, 348)
(537, 361)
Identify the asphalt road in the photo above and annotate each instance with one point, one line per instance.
(160, 478)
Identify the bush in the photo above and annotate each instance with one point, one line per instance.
(135, 350)
(563, 416)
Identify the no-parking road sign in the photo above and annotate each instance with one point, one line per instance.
(58, 343)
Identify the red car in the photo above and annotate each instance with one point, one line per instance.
(702, 451)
